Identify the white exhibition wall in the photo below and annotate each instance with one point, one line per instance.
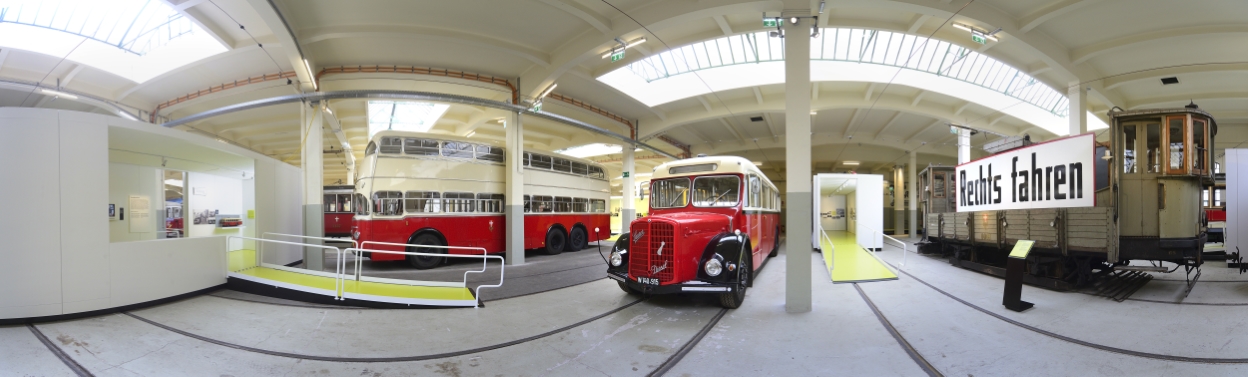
(830, 203)
(58, 256)
(1236, 201)
(864, 206)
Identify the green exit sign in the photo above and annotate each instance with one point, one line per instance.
(616, 56)
(625, 174)
(979, 39)
(772, 22)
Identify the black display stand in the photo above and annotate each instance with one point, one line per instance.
(1015, 266)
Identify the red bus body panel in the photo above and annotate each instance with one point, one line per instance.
(485, 231)
(760, 226)
(338, 224)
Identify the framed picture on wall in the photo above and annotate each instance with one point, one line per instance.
(112, 211)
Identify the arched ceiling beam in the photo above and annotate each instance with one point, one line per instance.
(496, 45)
(876, 150)
(183, 71)
(1114, 82)
(1057, 8)
(580, 11)
(887, 125)
(273, 19)
(1239, 97)
(1083, 54)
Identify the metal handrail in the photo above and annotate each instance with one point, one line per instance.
(823, 235)
(339, 264)
(904, 249)
(338, 284)
(482, 249)
(484, 257)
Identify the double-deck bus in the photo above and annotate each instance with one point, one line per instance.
(338, 213)
(428, 189)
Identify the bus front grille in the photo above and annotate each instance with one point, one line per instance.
(652, 252)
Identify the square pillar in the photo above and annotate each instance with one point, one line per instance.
(1078, 115)
(799, 201)
(627, 211)
(513, 191)
(312, 164)
(912, 187)
(964, 146)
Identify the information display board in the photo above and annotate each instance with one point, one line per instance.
(1055, 174)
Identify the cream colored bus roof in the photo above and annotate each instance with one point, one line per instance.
(723, 165)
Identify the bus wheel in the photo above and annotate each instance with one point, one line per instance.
(556, 241)
(775, 244)
(577, 240)
(732, 299)
(422, 262)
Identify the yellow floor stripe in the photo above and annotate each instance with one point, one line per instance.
(360, 287)
(241, 259)
(853, 264)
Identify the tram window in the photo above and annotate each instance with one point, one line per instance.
(1217, 197)
(1199, 153)
(1128, 149)
(492, 203)
(488, 153)
(1176, 138)
(598, 206)
(337, 202)
(457, 149)
(580, 205)
(388, 203)
(459, 202)
(563, 165)
(1153, 148)
(543, 203)
(563, 204)
(361, 205)
(596, 172)
(1217, 167)
(420, 147)
(1204, 198)
(580, 169)
(372, 148)
(541, 162)
(423, 202)
(391, 145)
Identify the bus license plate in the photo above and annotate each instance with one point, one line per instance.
(648, 281)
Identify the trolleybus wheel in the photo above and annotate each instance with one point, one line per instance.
(422, 262)
(732, 299)
(577, 240)
(627, 289)
(775, 245)
(556, 241)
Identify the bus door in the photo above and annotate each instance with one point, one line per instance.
(754, 217)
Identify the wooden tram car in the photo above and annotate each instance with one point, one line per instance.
(936, 184)
(1148, 208)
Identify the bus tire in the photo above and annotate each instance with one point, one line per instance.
(425, 262)
(775, 244)
(577, 240)
(733, 299)
(556, 241)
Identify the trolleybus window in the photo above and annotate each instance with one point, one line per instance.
(563, 165)
(543, 203)
(596, 172)
(391, 145)
(1128, 149)
(563, 204)
(580, 205)
(1153, 161)
(372, 148)
(598, 206)
(361, 205)
(388, 203)
(1199, 152)
(756, 192)
(527, 156)
(580, 169)
(540, 161)
(420, 147)
(492, 203)
(488, 153)
(459, 202)
(670, 193)
(423, 201)
(457, 149)
(1176, 137)
(526, 203)
(722, 191)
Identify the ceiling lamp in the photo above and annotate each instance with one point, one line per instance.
(850, 163)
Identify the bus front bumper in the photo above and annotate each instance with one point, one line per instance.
(692, 286)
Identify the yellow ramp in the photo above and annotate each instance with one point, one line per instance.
(853, 264)
(357, 290)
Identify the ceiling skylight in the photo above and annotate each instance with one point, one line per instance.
(134, 39)
(590, 150)
(403, 116)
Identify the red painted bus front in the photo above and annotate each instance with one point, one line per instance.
(485, 231)
(762, 227)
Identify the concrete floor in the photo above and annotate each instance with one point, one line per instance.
(593, 328)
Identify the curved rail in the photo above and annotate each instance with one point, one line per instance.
(501, 268)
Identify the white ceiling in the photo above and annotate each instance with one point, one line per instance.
(1117, 48)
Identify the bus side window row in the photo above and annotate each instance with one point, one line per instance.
(543, 203)
(764, 197)
(562, 165)
(432, 147)
(395, 203)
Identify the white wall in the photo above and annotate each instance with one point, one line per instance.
(1236, 168)
(829, 203)
(212, 192)
(869, 203)
(125, 180)
(279, 207)
(32, 224)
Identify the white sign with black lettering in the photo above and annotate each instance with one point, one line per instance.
(1054, 174)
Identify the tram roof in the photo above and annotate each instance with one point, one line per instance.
(722, 165)
(1213, 123)
(493, 143)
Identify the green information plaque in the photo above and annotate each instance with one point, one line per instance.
(1021, 249)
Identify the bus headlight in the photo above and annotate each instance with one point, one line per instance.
(616, 259)
(713, 267)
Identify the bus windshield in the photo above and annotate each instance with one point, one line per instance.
(669, 193)
(716, 191)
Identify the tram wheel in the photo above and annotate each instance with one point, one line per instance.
(733, 299)
(556, 241)
(577, 240)
(422, 262)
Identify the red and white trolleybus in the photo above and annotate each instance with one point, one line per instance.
(712, 222)
(338, 212)
(426, 189)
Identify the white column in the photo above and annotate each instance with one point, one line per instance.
(627, 211)
(313, 166)
(1078, 109)
(513, 193)
(964, 146)
(800, 200)
(912, 187)
(899, 199)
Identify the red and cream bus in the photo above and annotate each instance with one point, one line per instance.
(713, 221)
(426, 189)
